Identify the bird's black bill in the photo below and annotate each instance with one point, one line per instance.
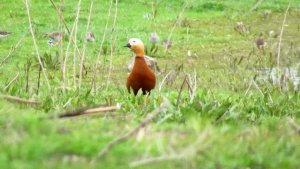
(128, 45)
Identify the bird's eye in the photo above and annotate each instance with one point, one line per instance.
(134, 41)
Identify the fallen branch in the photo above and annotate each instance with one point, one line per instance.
(146, 121)
(19, 100)
(89, 111)
(294, 125)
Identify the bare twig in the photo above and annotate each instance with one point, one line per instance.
(280, 40)
(84, 46)
(94, 80)
(35, 45)
(146, 121)
(89, 111)
(19, 100)
(14, 79)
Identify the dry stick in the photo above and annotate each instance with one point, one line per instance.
(279, 43)
(12, 50)
(35, 45)
(175, 24)
(94, 80)
(14, 79)
(188, 152)
(19, 100)
(90, 111)
(84, 46)
(68, 46)
(146, 121)
(180, 91)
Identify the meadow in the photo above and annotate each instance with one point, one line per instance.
(219, 102)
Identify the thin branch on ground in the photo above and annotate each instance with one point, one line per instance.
(19, 100)
(86, 111)
(146, 121)
(35, 45)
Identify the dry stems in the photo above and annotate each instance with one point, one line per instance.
(94, 80)
(35, 45)
(280, 40)
(68, 47)
(84, 46)
(112, 44)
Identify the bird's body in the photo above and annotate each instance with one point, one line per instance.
(141, 77)
(151, 63)
(4, 34)
(90, 37)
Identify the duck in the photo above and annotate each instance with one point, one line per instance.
(90, 37)
(141, 77)
(56, 36)
(260, 42)
(4, 34)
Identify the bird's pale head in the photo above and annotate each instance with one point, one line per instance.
(137, 46)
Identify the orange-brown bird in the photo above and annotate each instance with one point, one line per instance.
(141, 76)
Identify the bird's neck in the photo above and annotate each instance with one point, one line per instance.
(139, 52)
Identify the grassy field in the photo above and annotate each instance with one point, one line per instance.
(231, 116)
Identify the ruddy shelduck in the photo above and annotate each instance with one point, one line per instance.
(141, 76)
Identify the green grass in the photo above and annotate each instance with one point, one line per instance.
(238, 128)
